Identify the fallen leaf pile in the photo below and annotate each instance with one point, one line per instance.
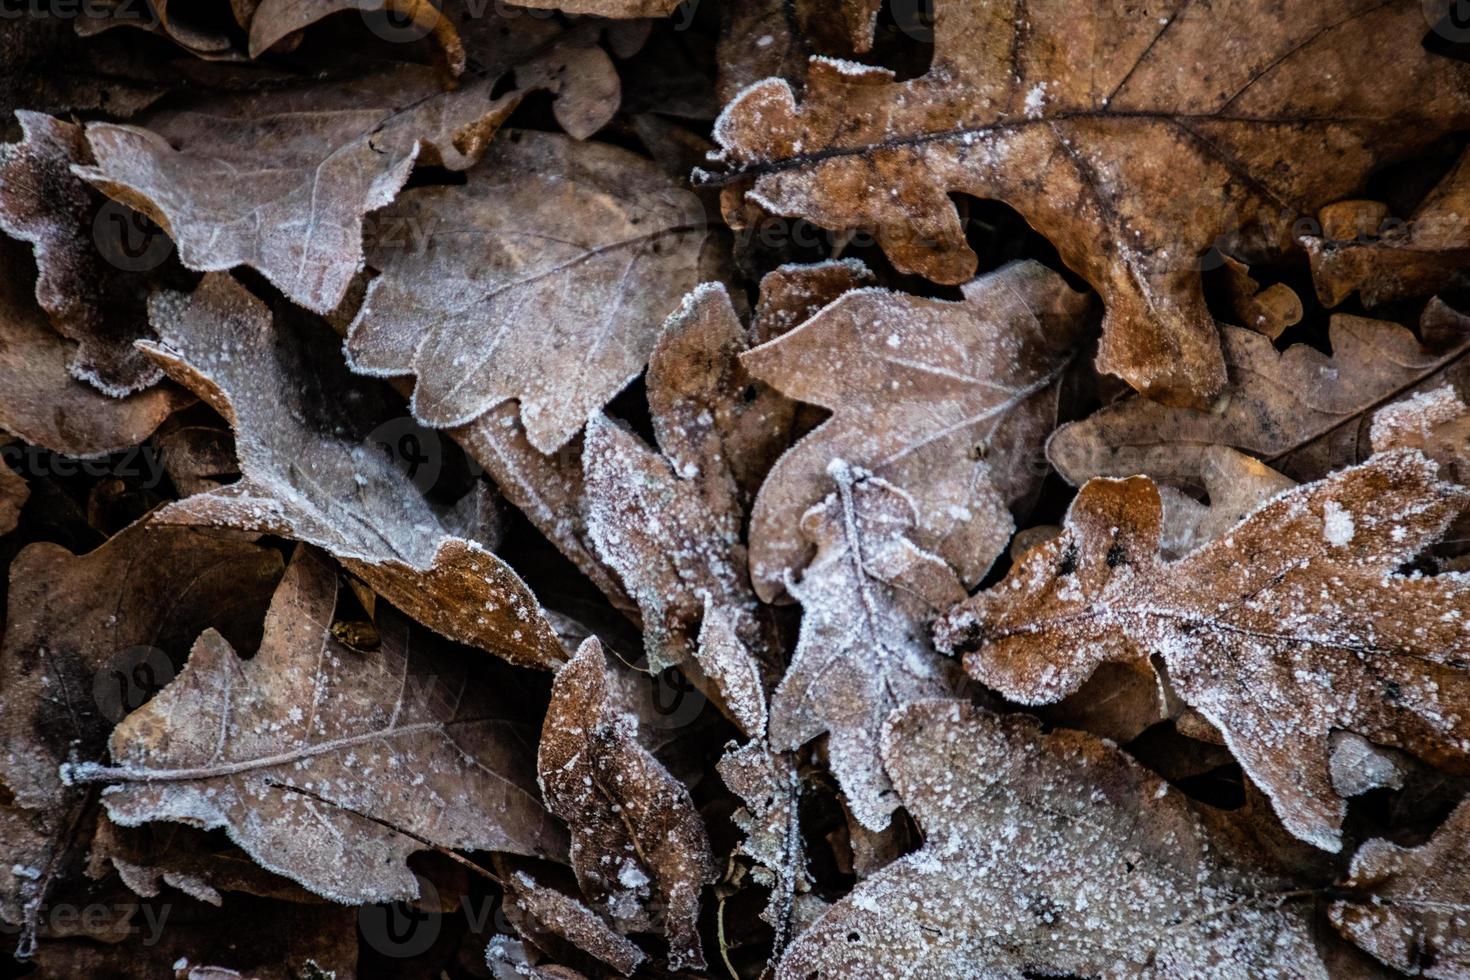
(793, 489)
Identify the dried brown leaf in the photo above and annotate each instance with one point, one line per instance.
(90, 300)
(669, 522)
(1049, 855)
(1299, 409)
(948, 400)
(1294, 624)
(543, 279)
(1133, 139)
(545, 910)
(295, 410)
(864, 650)
(635, 832)
(1426, 254)
(40, 400)
(1409, 907)
(320, 156)
(328, 765)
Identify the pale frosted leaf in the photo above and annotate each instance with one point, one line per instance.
(1048, 855)
(320, 157)
(1236, 485)
(948, 400)
(636, 837)
(864, 648)
(542, 279)
(1410, 906)
(1293, 624)
(302, 426)
(550, 911)
(328, 765)
(1134, 141)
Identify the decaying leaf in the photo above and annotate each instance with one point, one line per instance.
(13, 494)
(1269, 310)
(324, 155)
(1426, 254)
(546, 910)
(40, 400)
(1294, 624)
(867, 597)
(635, 832)
(295, 411)
(950, 401)
(1299, 410)
(1133, 139)
(543, 279)
(251, 940)
(88, 637)
(89, 300)
(1409, 907)
(769, 786)
(328, 765)
(669, 522)
(609, 8)
(1236, 485)
(1049, 855)
(187, 859)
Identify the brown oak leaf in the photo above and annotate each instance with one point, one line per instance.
(1294, 624)
(669, 522)
(864, 649)
(542, 279)
(90, 300)
(41, 402)
(1426, 254)
(635, 832)
(295, 410)
(1303, 412)
(1409, 906)
(950, 401)
(1134, 139)
(320, 157)
(327, 765)
(88, 638)
(1050, 854)
(542, 910)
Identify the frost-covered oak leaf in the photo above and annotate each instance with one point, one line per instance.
(1301, 411)
(90, 301)
(1292, 625)
(864, 649)
(311, 471)
(42, 402)
(1049, 855)
(637, 841)
(327, 765)
(1133, 138)
(1410, 906)
(539, 911)
(950, 401)
(280, 179)
(85, 633)
(670, 522)
(542, 279)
